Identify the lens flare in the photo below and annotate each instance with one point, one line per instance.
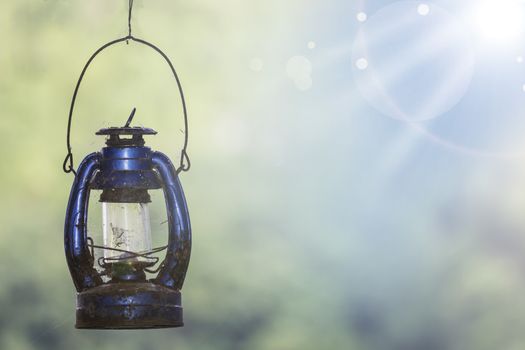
(413, 61)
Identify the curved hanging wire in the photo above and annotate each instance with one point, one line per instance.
(185, 163)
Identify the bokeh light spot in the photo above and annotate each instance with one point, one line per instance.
(311, 45)
(362, 17)
(423, 9)
(256, 64)
(361, 63)
(299, 70)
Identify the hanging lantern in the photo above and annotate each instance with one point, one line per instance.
(119, 295)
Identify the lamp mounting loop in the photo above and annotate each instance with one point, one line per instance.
(185, 163)
(129, 19)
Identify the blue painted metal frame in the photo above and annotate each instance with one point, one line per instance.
(78, 257)
(127, 167)
(175, 266)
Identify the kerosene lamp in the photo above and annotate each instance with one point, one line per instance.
(125, 170)
(118, 294)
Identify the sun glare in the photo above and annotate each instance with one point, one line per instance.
(499, 22)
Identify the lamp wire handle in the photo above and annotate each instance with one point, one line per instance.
(185, 163)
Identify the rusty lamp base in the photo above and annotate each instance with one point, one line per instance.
(129, 305)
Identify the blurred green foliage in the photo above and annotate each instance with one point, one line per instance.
(308, 235)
